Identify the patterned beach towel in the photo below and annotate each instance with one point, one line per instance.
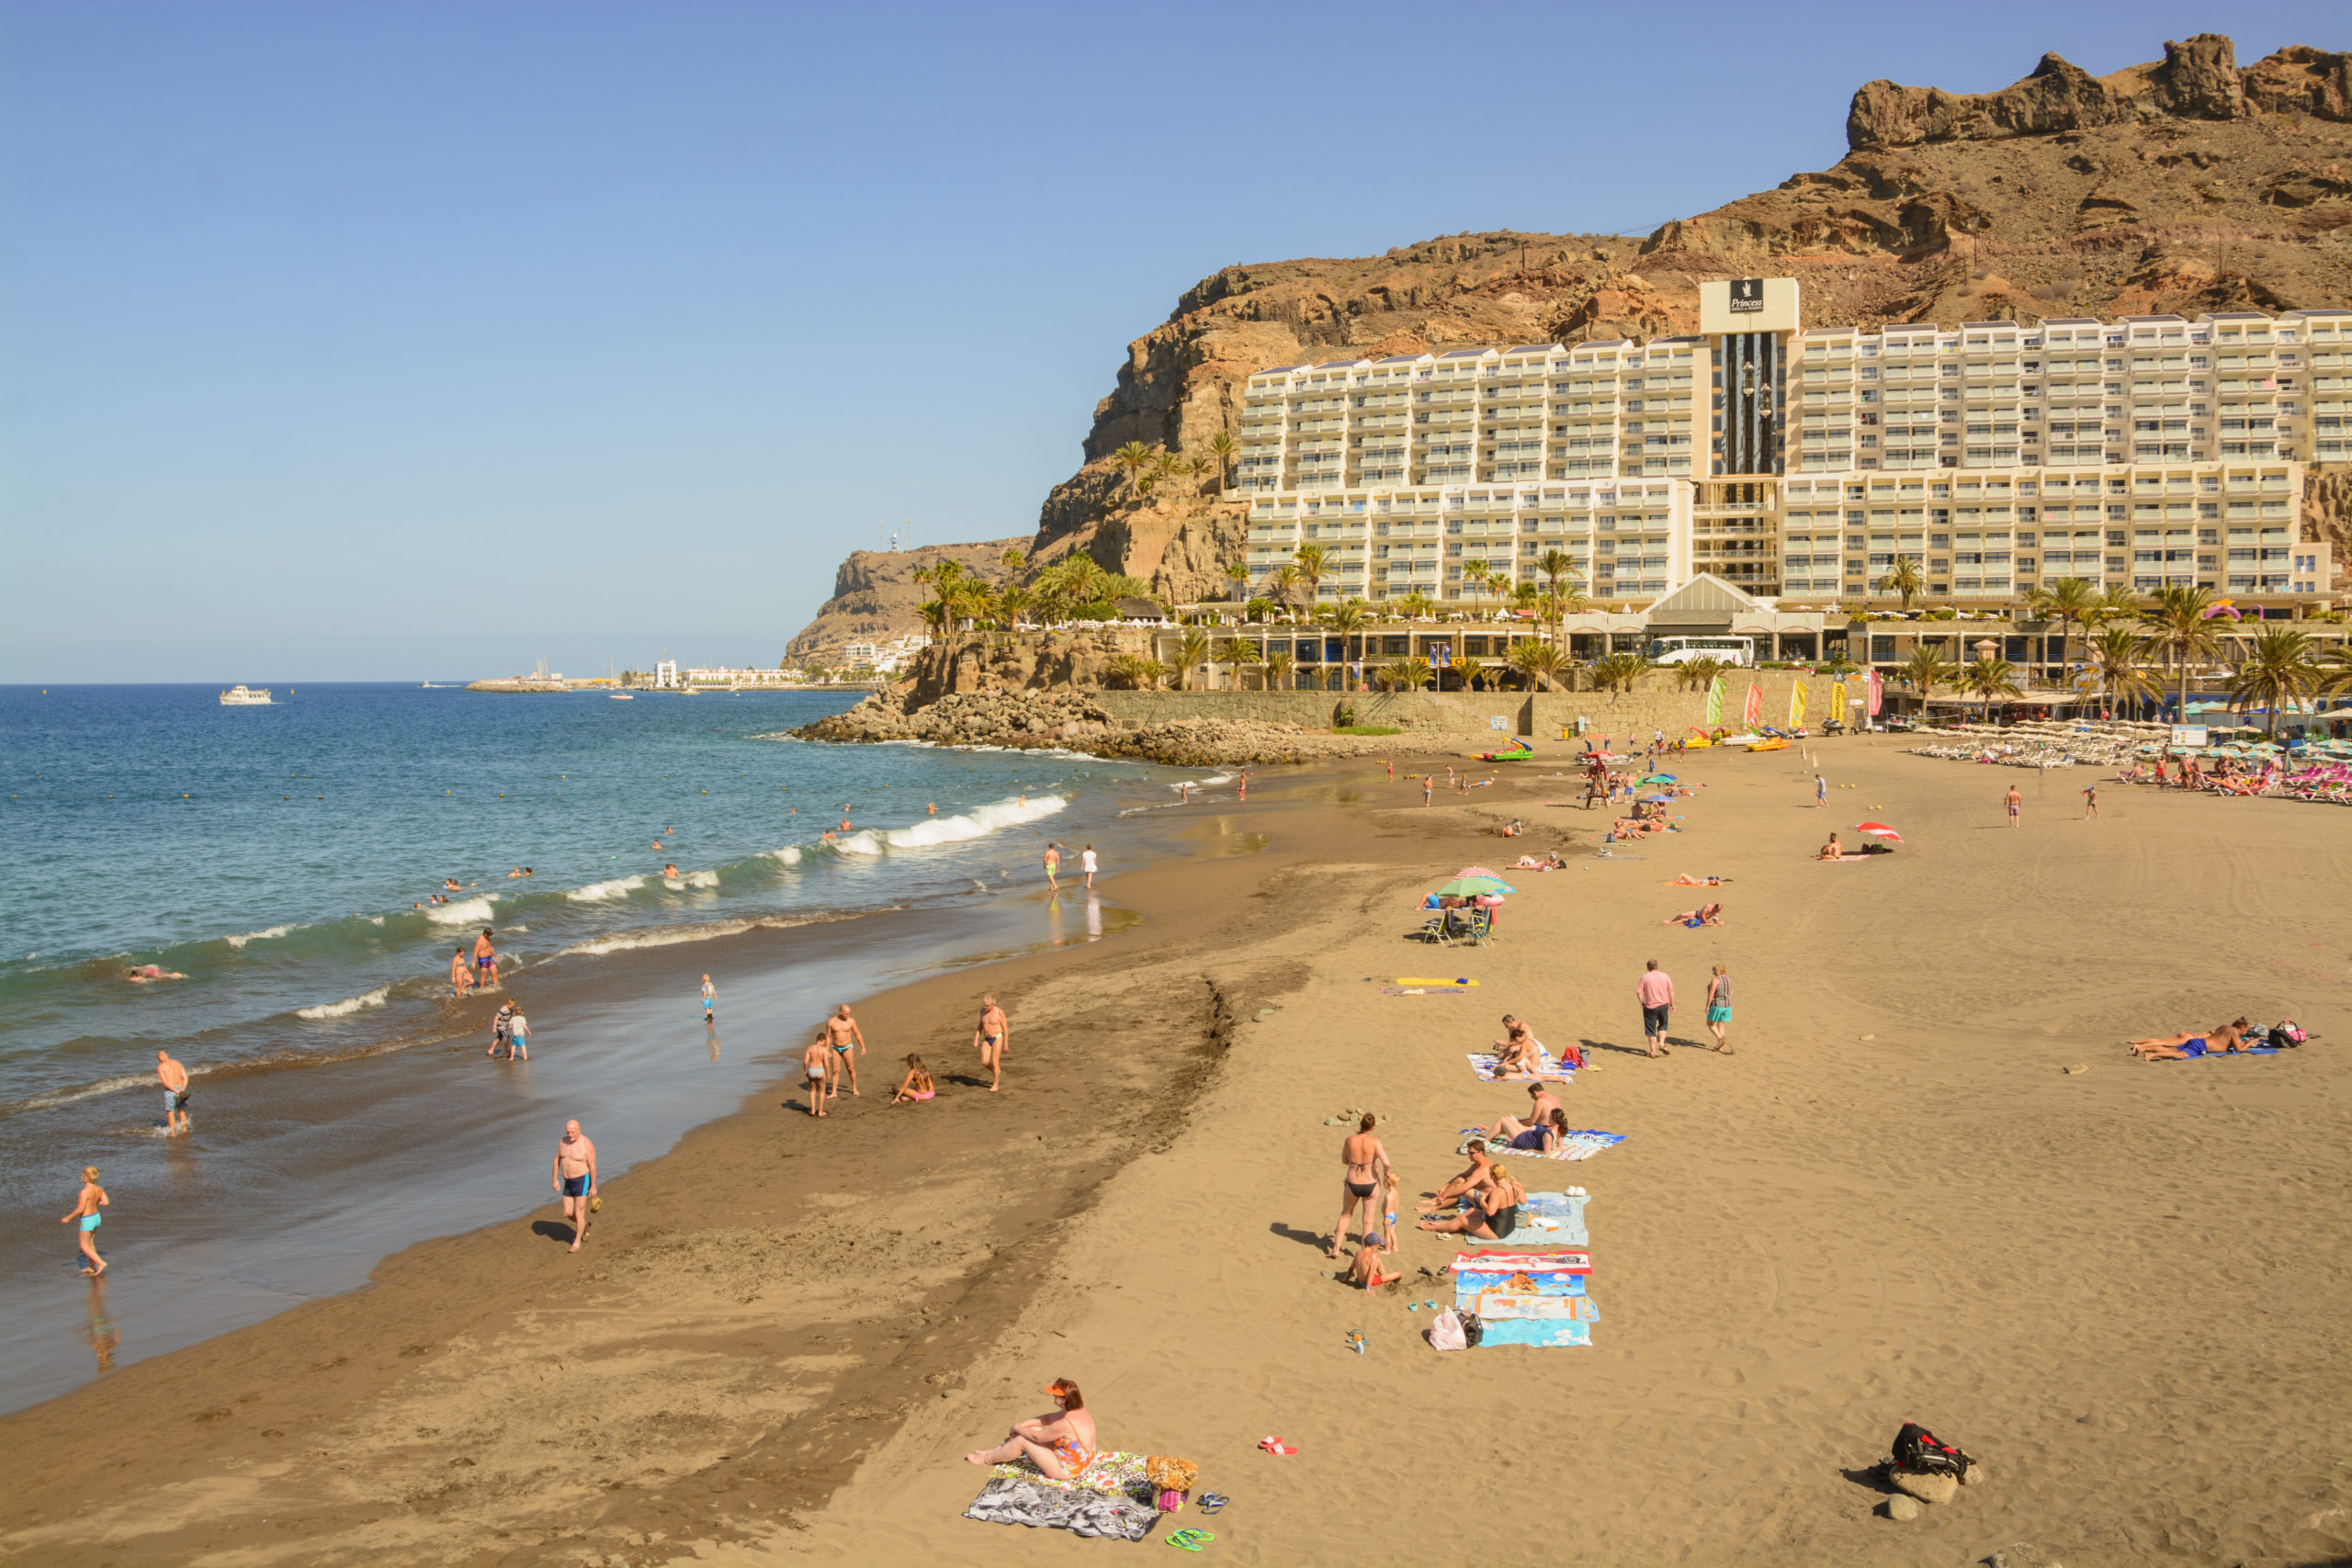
(1522, 1263)
(1581, 1145)
(1042, 1505)
(1540, 1332)
(1545, 1219)
(1488, 1067)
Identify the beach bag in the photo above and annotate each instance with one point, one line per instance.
(1918, 1450)
(1445, 1332)
(1168, 1474)
(1168, 1502)
(1471, 1331)
(2286, 1032)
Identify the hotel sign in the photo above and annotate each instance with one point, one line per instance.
(1747, 305)
(1746, 296)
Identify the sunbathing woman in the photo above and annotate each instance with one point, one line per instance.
(1705, 915)
(1479, 1176)
(916, 1085)
(1831, 851)
(2225, 1039)
(1541, 1137)
(1059, 1443)
(1496, 1216)
(1687, 880)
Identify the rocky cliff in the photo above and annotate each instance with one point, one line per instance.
(876, 594)
(2186, 184)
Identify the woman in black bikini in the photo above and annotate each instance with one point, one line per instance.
(1367, 1163)
(1496, 1216)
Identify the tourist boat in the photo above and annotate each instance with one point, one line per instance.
(245, 696)
(622, 696)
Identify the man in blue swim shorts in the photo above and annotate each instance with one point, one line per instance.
(574, 1176)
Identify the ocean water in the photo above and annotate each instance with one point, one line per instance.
(283, 859)
(278, 859)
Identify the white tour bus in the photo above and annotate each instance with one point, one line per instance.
(1737, 650)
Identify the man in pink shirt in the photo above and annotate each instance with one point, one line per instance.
(1656, 989)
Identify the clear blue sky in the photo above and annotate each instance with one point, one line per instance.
(347, 341)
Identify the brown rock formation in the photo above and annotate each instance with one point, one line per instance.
(876, 594)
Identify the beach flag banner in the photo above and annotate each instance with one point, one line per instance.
(1877, 694)
(1796, 706)
(1715, 701)
(1752, 711)
(1838, 701)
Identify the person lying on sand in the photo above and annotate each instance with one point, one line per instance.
(1478, 1177)
(1061, 1443)
(1496, 1216)
(1704, 915)
(1830, 851)
(1687, 880)
(2222, 1040)
(1540, 1135)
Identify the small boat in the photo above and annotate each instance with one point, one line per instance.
(622, 696)
(245, 698)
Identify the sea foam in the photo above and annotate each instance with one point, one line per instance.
(466, 912)
(597, 891)
(348, 1006)
(271, 934)
(978, 823)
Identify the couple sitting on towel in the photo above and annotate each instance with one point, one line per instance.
(1519, 1054)
(1494, 1196)
(2222, 1039)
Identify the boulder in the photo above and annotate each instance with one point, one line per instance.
(1927, 1488)
(1900, 1509)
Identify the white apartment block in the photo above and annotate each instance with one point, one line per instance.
(1803, 463)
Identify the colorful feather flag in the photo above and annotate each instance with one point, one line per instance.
(1715, 701)
(1752, 711)
(1796, 706)
(1877, 693)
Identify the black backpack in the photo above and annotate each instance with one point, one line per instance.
(1471, 1331)
(1918, 1450)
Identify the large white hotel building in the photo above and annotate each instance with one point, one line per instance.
(1799, 464)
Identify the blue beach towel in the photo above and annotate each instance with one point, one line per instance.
(1536, 1331)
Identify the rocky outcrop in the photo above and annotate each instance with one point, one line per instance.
(1069, 721)
(1071, 659)
(2327, 509)
(875, 595)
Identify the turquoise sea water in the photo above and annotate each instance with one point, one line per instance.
(343, 1109)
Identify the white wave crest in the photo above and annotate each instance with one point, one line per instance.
(674, 936)
(80, 1091)
(257, 936)
(466, 912)
(597, 891)
(978, 823)
(789, 854)
(699, 879)
(348, 1006)
(869, 842)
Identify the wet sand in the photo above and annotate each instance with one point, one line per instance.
(2121, 1289)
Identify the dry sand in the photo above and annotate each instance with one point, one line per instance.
(2123, 1290)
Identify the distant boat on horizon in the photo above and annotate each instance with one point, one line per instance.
(622, 696)
(245, 698)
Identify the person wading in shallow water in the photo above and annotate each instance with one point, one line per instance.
(87, 1204)
(992, 1037)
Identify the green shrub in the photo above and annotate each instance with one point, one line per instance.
(1365, 730)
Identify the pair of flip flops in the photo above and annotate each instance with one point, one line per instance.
(1276, 1446)
(1210, 1501)
(1190, 1540)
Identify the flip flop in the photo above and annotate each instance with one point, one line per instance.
(1210, 1501)
(1276, 1446)
(1190, 1540)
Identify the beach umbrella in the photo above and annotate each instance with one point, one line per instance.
(1878, 831)
(1659, 778)
(1657, 800)
(1471, 886)
(1479, 871)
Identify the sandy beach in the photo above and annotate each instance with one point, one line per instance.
(2121, 1288)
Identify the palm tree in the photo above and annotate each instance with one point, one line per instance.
(1258, 609)
(1222, 447)
(1166, 465)
(1314, 565)
(1404, 674)
(1134, 457)
(1191, 650)
(2116, 603)
(1014, 561)
(1925, 671)
(1349, 620)
(1618, 671)
(1286, 580)
(1539, 662)
(1014, 599)
(1903, 580)
(1236, 573)
(1416, 606)
(1693, 675)
(1138, 671)
(2117, 660)
(1278, 665)
(936, 615)
(1557, 565)
(1990, 677)
(2179, 628)
(2067, 600)
(2278, 669)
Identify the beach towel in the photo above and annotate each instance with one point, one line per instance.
(1494, 1307)
(1540, 1332)
(1545, 1219)
(1470, 1282)
(1051, 1505)
(1423, 991)
(1531, 1263)
(2222, 1055)
(1581, 1145)
(1488, 1067)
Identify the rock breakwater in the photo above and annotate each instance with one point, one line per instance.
(1070, 721)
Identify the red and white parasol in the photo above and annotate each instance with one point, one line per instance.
(1878, 831)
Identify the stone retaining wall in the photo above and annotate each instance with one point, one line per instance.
(1655, 704)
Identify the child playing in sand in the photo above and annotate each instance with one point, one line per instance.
(916, 1085)
(1389, 1226)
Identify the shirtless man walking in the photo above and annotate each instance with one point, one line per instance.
(841, 1034)
(573, 1174)
(1053, 868)
(485, 960)
(174, 1079)
(990, 1037)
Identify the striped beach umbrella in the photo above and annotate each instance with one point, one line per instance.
(1878, 831)
(1715, 701)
